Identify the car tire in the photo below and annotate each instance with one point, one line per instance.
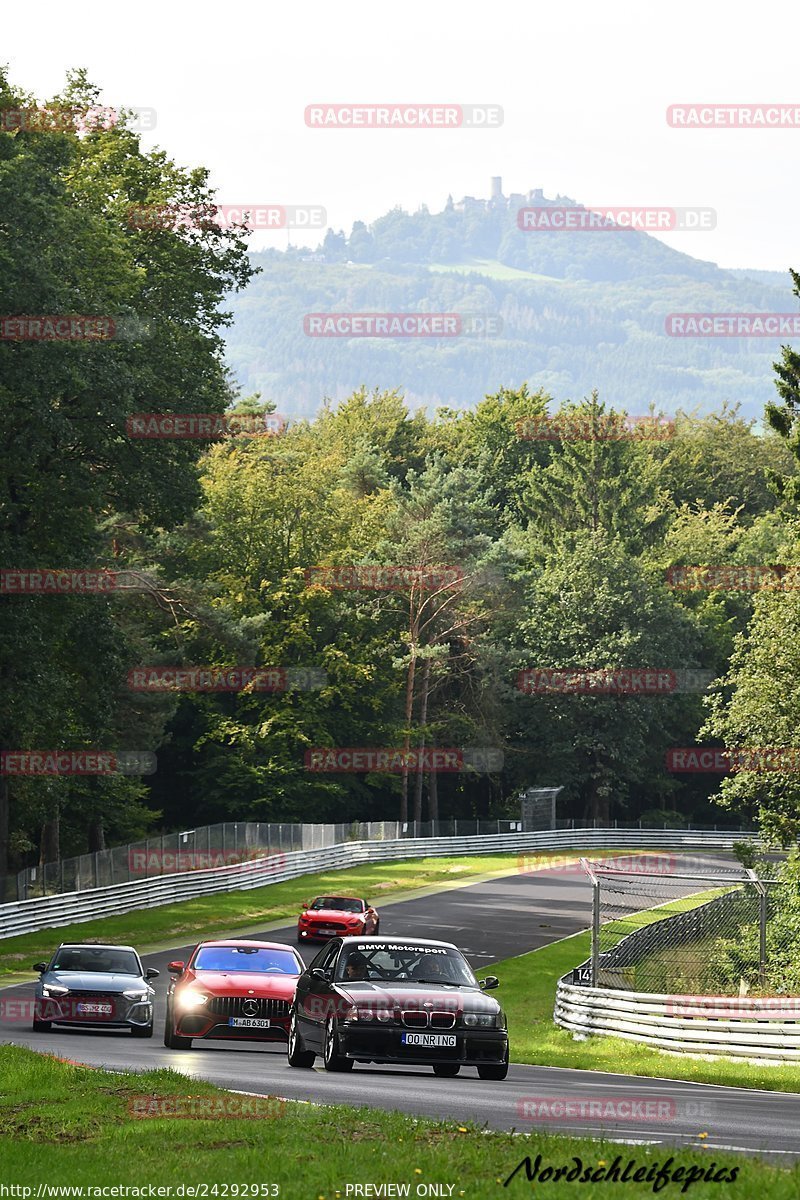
(142, 1031)
(174, 1042)
(41, 1026)
(297, 1055)
(446, 1070)
(333, 1060)
(171, 1039)
(494, 1070)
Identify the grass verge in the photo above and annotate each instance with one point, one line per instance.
(63, 1124)
(527, 992)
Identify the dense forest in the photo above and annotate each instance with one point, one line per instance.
(543, 554)
(571, 311)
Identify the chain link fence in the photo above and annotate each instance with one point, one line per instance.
(661, 926)
(219, 845)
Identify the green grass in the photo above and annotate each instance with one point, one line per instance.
(63, 1124)
(490, 267)
(527, 992)
(173, 925)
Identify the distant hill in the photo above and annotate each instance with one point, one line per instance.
(578, 310)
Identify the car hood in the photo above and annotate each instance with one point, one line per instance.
(94, 981)
(406, 995)
(330, 914)
(243, 983)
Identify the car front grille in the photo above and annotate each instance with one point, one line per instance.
(419, 1019)
(65, 1008)
(248, 1006)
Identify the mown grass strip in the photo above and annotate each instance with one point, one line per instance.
(63, 1124)
(527, 992)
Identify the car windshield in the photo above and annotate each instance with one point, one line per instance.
(342, 903)
(246, 958)
(96, 958)
(396, 964)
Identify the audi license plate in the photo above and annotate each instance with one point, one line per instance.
(429, 1039)
(249, 1022)
(104, 1009)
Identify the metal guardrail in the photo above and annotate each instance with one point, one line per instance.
(49, 912)
(746, 1027)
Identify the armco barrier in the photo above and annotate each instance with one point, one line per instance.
(50, 912)
(758, 1030)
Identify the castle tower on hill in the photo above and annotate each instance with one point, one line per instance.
(497, 187)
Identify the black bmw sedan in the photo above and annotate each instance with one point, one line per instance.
(100, 986)
(397, 1001)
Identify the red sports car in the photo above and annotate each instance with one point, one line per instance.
(232, 990)
(336, 916)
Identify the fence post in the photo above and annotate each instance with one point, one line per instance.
(595, 962)
(762, 925)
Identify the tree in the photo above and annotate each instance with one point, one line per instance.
(594, 608)
(69, 465)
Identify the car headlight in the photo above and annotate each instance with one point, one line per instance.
(384, 1014)
(189, 998)
(134, 995)
(480, 1020)
(351, 1014)
(54, 990)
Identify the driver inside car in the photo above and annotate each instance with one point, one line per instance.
(431, 967)
(356, 968)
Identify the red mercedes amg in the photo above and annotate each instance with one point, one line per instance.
(336, 916)
(234, 990)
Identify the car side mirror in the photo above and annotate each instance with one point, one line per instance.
(40, 967)
(151, 973)
(176, 968)
(491, 981)
(319, 973)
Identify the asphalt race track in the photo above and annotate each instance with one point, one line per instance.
(490, 921)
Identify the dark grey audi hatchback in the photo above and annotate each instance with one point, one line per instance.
(96, 986)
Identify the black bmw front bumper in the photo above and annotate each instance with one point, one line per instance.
(383, 1044)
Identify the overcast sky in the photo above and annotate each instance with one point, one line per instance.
(584, 87)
